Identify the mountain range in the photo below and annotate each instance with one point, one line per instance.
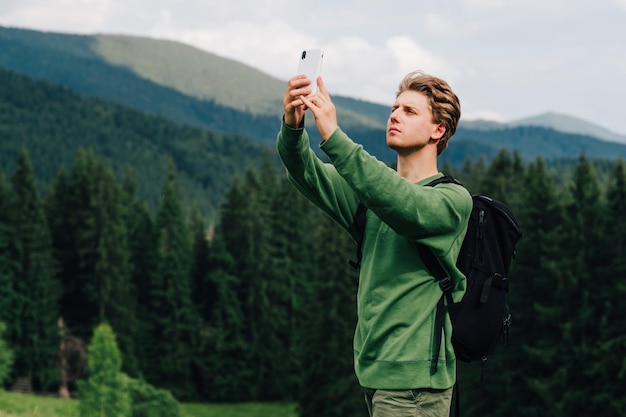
(201, 90)
(557, 121)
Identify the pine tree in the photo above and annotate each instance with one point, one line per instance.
(104, 393)
(607, 374)
(224, 371)
(266, 305)
(174, 325)
(245, 234)
(226, 344)
(142, 251)
(112, 270)
(33, 332)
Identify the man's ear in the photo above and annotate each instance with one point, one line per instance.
(438, 132)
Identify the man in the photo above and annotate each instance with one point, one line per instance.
(395, 340)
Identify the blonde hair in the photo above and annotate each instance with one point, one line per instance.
(444, 104)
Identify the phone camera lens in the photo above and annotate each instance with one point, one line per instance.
(303, 54)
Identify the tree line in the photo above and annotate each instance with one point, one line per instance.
(261, 307)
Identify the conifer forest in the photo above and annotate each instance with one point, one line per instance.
(260, 306)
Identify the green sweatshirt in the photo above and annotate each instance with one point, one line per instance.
(397, 296)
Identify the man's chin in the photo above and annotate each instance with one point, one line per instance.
(391, 144)
(401, 149)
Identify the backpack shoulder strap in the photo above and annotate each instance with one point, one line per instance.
(445, 282)
(446, 179)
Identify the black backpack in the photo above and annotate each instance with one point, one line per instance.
(482, 317)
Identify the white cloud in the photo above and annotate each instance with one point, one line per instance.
(621, 3)
(410, 56)
(356, 68)
(74, 16)
(437, 24)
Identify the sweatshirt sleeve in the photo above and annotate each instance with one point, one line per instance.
(422, 213)
(318, 181)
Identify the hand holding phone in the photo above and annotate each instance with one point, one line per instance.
(311, 65)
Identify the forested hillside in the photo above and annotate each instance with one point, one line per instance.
(54, 123)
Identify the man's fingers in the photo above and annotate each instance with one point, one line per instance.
(321, 86)
(308, 101)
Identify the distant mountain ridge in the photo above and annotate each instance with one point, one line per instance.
(569, 124)
(552, 120)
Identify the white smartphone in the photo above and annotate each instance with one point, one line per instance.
(311, 65)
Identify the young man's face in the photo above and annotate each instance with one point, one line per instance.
(410, 126)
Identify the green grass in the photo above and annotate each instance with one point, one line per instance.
(25, 405)
(239, 410)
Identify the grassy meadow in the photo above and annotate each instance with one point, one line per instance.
(25, 405)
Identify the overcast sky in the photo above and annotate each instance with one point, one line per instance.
(506, 59)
